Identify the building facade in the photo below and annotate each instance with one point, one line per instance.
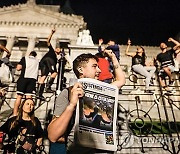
(25, 27)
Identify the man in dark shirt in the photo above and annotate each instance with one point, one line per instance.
(167, 63)
(48, 65)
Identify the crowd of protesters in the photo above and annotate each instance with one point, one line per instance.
(24, 130)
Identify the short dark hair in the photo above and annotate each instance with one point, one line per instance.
(81, 60)
(33, 53)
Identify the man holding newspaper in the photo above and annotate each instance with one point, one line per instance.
(84, 66)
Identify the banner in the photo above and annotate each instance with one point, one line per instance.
(96, 117)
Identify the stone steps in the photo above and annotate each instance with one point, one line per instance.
(126, 102)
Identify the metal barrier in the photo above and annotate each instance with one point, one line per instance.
(136, 126)
(143, 132)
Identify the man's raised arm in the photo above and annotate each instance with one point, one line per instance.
(5, 49)
(50, 36)
(119, 74)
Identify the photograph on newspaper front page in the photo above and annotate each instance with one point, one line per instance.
(96, 115)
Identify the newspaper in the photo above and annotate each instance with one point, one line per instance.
(95, 124)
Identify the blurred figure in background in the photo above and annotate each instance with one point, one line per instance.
(5, 67)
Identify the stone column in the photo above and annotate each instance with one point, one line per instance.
(9, 44)
(31, 44)
(53, 42)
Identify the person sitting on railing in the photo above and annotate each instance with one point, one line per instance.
(24, 130)
(166, 60)
(139, 64)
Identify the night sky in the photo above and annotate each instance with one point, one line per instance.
(145, 22)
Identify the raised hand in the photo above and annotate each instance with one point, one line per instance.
(170, 39)
(129, 42)
(110, 53)
(53, 30)
(100, 41)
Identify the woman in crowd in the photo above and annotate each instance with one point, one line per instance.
(24, 130)
(139, 64)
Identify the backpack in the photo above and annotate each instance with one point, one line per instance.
(5, 74)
